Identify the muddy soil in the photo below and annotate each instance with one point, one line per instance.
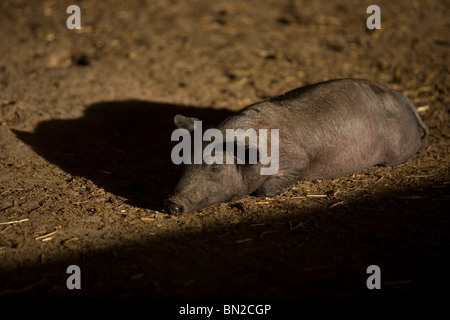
(86, 117)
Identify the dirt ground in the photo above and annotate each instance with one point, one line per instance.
(86, 118)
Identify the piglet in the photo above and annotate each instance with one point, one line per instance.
(325, 130)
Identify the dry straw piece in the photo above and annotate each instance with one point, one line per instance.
(15, 221)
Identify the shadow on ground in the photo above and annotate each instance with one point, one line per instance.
(123, 147)
(311, 253)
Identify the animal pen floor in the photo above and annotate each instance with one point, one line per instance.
(86, 117)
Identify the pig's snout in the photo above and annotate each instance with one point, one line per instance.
(175, 206)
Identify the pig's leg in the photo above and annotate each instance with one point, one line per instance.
(277, 184)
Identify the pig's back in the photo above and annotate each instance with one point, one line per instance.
(340, 126)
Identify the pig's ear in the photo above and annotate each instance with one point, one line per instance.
(183, 122)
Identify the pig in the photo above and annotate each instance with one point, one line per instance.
(326, 130)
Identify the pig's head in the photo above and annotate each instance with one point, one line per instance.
(202, 185)
(205, 184)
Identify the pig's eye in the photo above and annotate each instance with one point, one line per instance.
(215, 169)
